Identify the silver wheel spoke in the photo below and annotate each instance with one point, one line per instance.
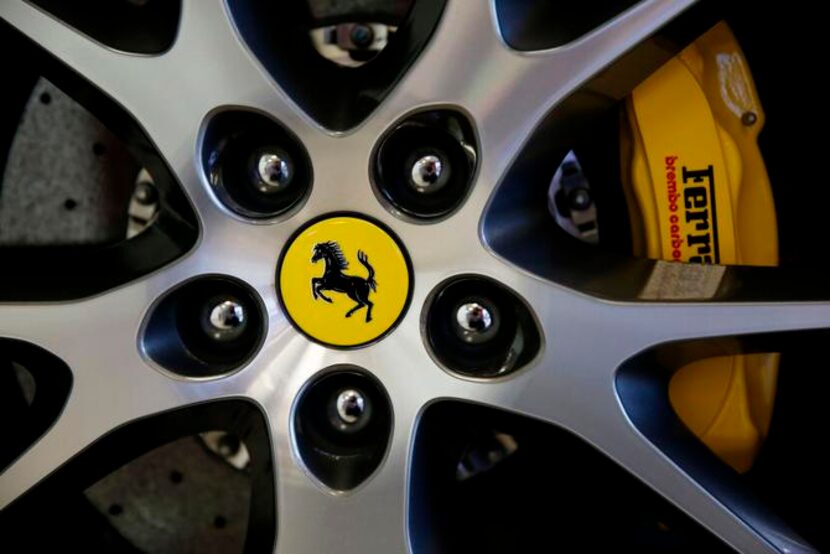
(111, 383)
(93, 409)
(508, 92)
(573, 385)
(644, 325)
(588, 407)
(109, 70)
(206, 67)
(615, 437)
(170, 94)
(371, 518)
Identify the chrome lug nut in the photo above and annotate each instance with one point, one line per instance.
(226, 320)
(579, 199)
(145, 193)
(351, 406)
(273, 172)
(472, 317)
(476, 321)
(426, 173)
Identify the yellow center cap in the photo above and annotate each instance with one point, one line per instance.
(344, 281)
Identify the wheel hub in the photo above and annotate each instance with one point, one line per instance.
(344, 280)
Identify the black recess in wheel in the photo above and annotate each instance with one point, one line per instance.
(342, 422)
(257, 167)
(206, 327)
(546, 480)
(424, 166)
(337, 97)
(138, 26)
(34, 387)
(479, 328)
(529, 25)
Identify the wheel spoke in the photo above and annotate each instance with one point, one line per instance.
(108, 70)
(589, 408)
(596, 417)
(573, 384)
(169, 94)
(508, 92)
(743, 527)
(93, 410)
(371, 517)
(112, 383)
(645, 325)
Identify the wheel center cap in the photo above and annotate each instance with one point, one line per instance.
(344, 280)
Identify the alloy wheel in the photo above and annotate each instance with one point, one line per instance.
(589, 323)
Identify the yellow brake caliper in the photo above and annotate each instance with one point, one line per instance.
(698, 192)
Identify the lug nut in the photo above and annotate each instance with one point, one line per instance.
(351, 406)
(229, 445)
(476, 321)
(474, 318)
(579, 199)
(273, 172)
(226, 320)
(362, 35)
(426, 173)
(145, 193)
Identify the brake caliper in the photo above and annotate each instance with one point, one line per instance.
(698, 192)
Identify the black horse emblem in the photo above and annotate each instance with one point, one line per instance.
(333, 279)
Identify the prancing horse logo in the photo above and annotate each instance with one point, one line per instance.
(333, 279)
